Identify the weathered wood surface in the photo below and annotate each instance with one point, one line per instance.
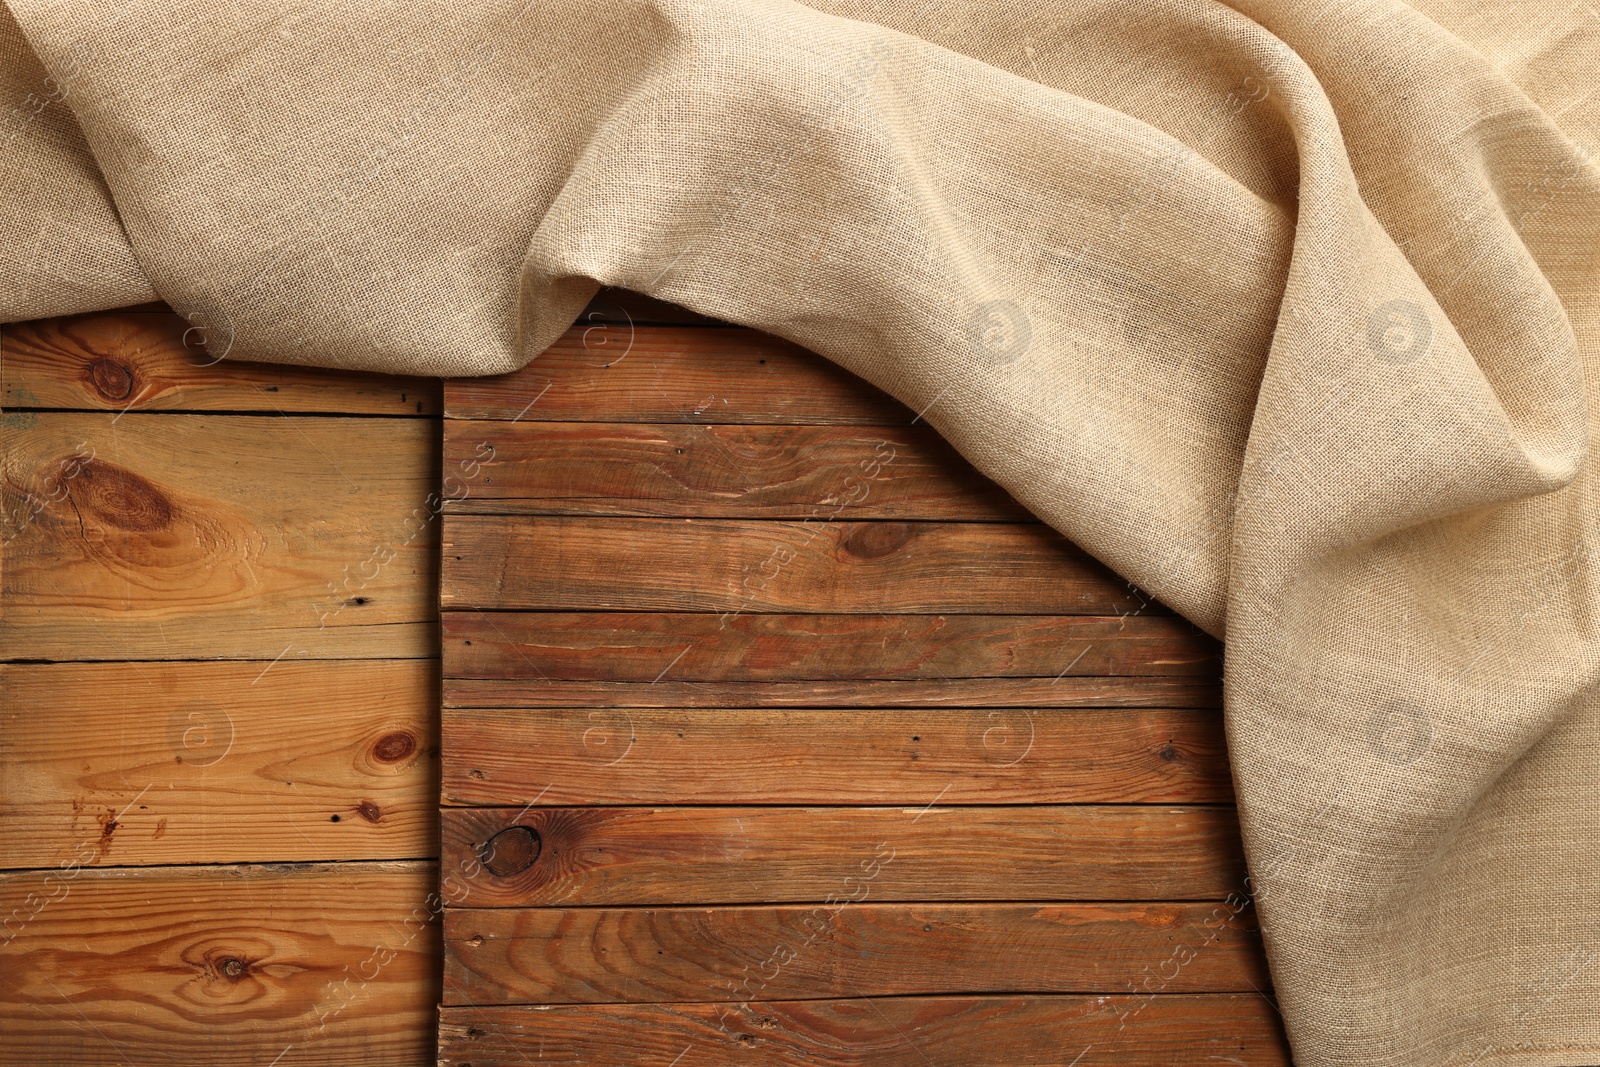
(1016, 1031)
(650, 646)
(157, 763)
(568, 563)
(149, 359)
(235, 618)
(772, 472)
(774, 734)
(1033, 693)
(711, 855)
(800, 952)
(315, 964)
(589, 755)
(231, 537)
(616, 373)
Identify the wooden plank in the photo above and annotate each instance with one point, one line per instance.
(193, 536)
(222, 965)
(568, 563)
(800, 952)
(650, 646)
(1200, 1030)
(218, 762)
(537, 856)
(775, 472)
(149, 359)
(610, 373)
(1066, 692)
(590, 755)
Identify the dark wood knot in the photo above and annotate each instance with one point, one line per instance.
(110, 379)
(511, 851)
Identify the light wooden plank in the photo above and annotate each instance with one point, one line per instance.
(231, 966)
(1200, 1030)
(1065, 692)
(651, 646)
(591, 755)
(799, 952)
(218, 762)
(776, 472)
(567, 563)
(150, 359)
(540, 856)
(610, 372)
(194, 536)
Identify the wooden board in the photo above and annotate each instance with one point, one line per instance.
(590, 755)
(773, 734)
(620, 373)
(218, 762)
(1017, 1031)
(148, 359)
(313, 964)
(805, 952)
(773, 472)
(736, 566)
(616, 855)
(217, 668)
(1027, 693)
(649, 646)
(230, 537)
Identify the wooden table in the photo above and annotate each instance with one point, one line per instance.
(772, 733)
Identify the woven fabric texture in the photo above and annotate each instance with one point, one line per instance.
(1283, 310)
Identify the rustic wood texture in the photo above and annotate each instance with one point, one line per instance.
(589, 755)
(208, 536)
(159, 763)
(1017, 1031)
(648, 646)
(568, 563)
(1033, 693)
(774, 734)
(712, 855)
(148, 359)
(229, 613)
(772, 472)
(617, 373)
(801, 952)
(316, 964)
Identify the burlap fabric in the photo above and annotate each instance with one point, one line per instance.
(1283, 310)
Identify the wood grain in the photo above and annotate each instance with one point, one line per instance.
(232, 966)
(218, 762)
(150, 359)
(192, 536)
(725, 565)
(646, 955)
(1018, 1031)
(779, 472)
(674, 855)
(590, 755)
(650, 647)
(1066, 692)
(610, 372)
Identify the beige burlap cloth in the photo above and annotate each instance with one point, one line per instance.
(1281, 309)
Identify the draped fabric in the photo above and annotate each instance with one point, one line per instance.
(1283, 310)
